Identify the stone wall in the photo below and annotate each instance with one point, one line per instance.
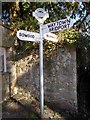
(6, 37)
(1, 59)
(60, 81)
(60, 78)
(5, 78)
(0, 96)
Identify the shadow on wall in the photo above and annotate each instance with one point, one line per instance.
(84, 92)
(59, 80)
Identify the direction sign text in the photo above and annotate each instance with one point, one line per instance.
(57, 26)
(28, 36)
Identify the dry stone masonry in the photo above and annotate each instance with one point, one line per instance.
(60, 80)
(60, 77)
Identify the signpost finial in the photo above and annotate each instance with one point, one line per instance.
(41, 15)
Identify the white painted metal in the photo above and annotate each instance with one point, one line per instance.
(5, 64)
(28, 36)
(51, 37)
(41, 15)
(41, 74)
(45, 31)
(58, 25)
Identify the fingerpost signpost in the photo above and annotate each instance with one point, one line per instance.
(41, 15)
(45, 33)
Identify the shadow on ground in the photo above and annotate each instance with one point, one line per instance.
(12, 108)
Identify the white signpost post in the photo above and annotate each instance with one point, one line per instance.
(5, 64)
(45, 32)
(41, 15)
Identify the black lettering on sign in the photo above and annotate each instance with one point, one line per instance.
(26, 35)
(33, 36)
(51, 29)
(64, 22)
(20, 34)
(56, 28)
(64, 26)
(59, 23)
(51, 25)
(68, 22)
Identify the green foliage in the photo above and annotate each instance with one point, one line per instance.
(21, 18)
(32, 116)
(83, 41)
(68, 36)
(28, 22)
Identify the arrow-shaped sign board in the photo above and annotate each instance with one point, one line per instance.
(51, 37)
(58, 25)
(28, 36)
